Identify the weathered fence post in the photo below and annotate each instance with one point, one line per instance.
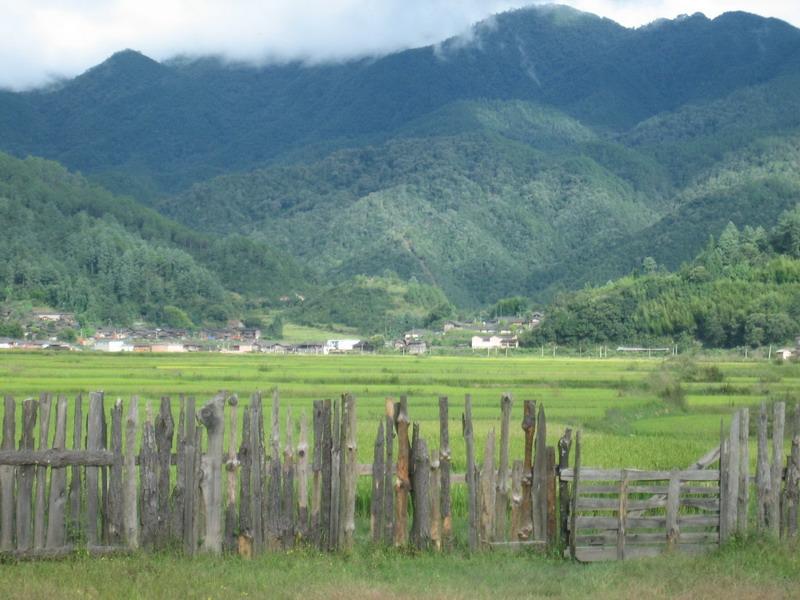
(776, 479)
(516, 497)
(245, 539)
(743, 501)
(503, 476)
(564, 446)
(39, 530)
(550, 497)
(734, 462)
(435, 506)
(444, 472)
(274, 488)
(574, 496)
(336, 480)
(25, 478)
(539, 489)
(94, 435)
(190, 451)
(56, 532)
(350, 474)
(326, 504)
(673, 505)
(724, 484)
(762, 471)
(257, 467)
(178, 496)
(287, 496)
(526, 511)
(231, 468)
(75, 479)
(402, 482)
(376, 500)
(422, 501)
(487, 493)
(116, 512)
(302, 478)
(316, 469)
(792, 498)
(148, 477)
(130, 498)
(622, 515)
(472, 491)
(7, 478)
(212, 417)
(388, 474)
(164, 431)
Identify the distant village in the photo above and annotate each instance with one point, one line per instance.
(499, 334)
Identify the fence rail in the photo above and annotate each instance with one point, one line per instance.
(213, 480)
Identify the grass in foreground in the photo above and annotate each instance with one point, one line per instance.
(755, 569)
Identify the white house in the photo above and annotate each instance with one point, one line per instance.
(113, 346)
(480, 342)
(785, 353)
(334, 346)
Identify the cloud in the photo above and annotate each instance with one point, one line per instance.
(48, 39)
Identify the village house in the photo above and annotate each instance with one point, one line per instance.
(480, 342)
(784, 353)
(417, 347)
(113, 345)
(309, 348)
(168, 347)
(340, 346)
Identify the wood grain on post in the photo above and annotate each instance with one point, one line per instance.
(776, 479)
(39, 526)
(190, 490)
(116, 490)
(444, 472)
(75, 487)
(734, 463)
(762, 471)
(724, 484)
(673, 506)
(526, 511)
(164, 431)
(148, 480)
(231, 470)
(388, 474)
(472, 492)
(336, 481)
(743, 501)
(94, 436)
(402, 484)
(130, 498)
(350, 476)
(622, 515)
(302, 478)
(516, 496)
(564, 447)
(422, 501)
(257, 468)
(539, 487)
(245, 541)
(288, 526)
(573, 534)
(212, 417)
(272, 538)
(503, 475)
(56, 514)
(324, 534)
(316, 469)
(435, 506)
(412, 494)
(487, 492)
(793, 477)
(376, 499)
(7, 477)
(550, 497)
(178, 497)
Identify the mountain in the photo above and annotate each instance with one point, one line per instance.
(71, 244)
(544, 149)
(742, 289)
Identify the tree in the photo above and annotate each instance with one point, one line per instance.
(172, 316)
(786, 235)
(275, 329)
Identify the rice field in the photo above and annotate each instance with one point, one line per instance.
(615, 402)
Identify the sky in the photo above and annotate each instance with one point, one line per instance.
(44, 40)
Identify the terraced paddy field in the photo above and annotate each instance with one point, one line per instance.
(646, 413)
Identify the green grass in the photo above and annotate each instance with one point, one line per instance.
(753, 570)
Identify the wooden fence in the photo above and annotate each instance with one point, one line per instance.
(213, 482)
